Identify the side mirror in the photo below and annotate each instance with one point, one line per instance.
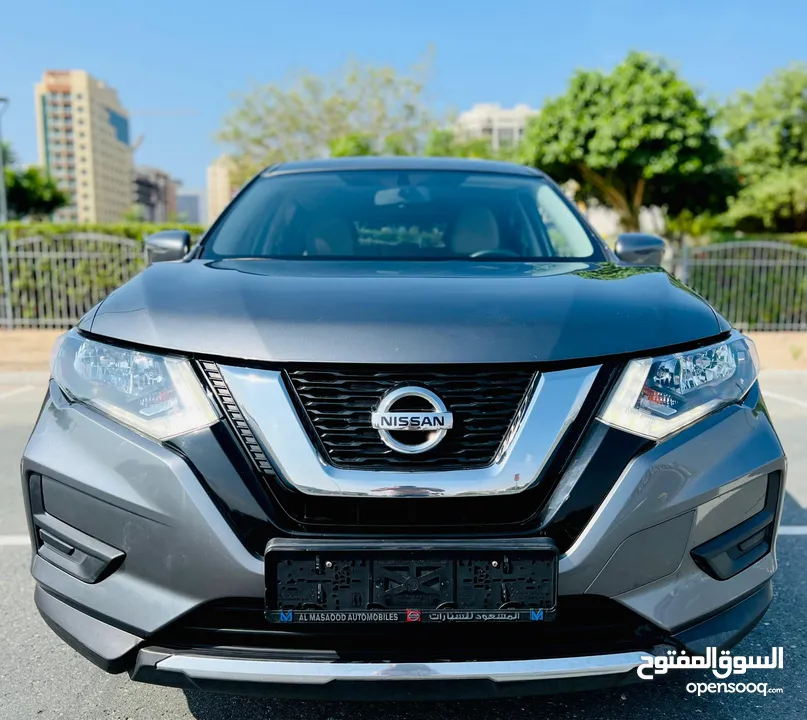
(640, 249)
(168, 245)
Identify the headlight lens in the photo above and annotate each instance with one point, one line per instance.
(158, 396)
(658, 396)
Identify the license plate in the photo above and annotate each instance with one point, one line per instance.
(353, 582)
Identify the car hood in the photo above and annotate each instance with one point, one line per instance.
(403, 312)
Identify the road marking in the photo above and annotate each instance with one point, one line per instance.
(784, 398)
(793, 530)
(16, 391)
(14, 540)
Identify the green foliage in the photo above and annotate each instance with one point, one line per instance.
(777, 201)
(445, 143)
(29, 193)
(132, 231)
(687, 224)
(797, 239)
(309, 115)
(636, 137)
(766, 131)
(353, 145)
(7, 155)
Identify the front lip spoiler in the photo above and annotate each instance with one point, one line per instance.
(248, 670)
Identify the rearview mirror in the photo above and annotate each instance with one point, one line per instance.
(640, 249)
(404, 195)
(168, 245)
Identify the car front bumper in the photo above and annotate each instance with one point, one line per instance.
(174, 551)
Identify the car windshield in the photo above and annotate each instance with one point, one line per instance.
(400, 215)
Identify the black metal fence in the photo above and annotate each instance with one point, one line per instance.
(755, 285)
(50, 281)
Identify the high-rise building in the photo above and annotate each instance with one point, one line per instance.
(189, 208)
(155, 194)
(220, 187)
(504, 127)
(83, 138)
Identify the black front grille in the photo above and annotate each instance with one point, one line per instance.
(338, 404)
(294, 512)
(585, 625)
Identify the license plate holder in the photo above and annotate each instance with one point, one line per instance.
(393, 582)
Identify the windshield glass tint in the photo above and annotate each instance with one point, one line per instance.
(392, 214)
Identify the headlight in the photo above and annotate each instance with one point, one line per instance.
(658, 396)
(158, 396)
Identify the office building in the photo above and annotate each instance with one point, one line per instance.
(189, 208)
(155, 194)
(220, 187)
(83, 139)
(504, 127)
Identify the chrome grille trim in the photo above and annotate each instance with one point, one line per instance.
(263, 401)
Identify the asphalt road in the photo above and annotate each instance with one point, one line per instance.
(40, 677)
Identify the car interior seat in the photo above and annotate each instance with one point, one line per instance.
(475, 230)
(331, 236)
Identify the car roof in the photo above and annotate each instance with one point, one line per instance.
(401, 163)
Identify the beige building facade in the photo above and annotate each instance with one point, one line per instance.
(220, 187)
(84, 145)
(504, 127)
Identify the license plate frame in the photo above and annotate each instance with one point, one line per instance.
(358, 581)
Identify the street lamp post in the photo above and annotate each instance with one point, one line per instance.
(3, 206)
(6, 279)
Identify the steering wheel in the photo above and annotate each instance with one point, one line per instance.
(494, 252)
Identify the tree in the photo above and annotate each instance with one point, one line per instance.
(633, 138)
(446, 143)
(353, 145)
(8, 157)
(310, 116)
(29, 193)
(766, 132)
(439, 143)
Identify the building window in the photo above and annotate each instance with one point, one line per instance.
(506, 137)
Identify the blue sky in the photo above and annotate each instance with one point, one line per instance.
(177, 55)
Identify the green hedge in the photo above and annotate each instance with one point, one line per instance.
(798, 239)
(133, 231)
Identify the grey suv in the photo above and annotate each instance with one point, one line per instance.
(401, 428)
